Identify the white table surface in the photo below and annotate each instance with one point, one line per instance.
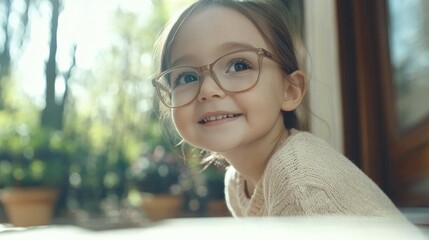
(296, 228)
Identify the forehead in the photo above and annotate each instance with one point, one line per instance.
(212, 32)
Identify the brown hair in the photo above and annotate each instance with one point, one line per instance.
(270, 18)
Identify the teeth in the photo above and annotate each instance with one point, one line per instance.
(217, 117)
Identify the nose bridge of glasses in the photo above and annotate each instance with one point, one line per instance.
(207, 71)
(207, 67)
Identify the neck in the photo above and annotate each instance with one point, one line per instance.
(252, 161)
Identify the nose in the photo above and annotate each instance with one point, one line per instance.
(209, 88)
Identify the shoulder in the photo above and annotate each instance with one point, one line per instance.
(305, 150)
(304, 159)
(321, 179)
(302, 141)
(302, 154)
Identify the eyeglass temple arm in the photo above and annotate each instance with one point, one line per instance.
(157, 85)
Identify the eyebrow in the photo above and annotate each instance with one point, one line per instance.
(224, 48)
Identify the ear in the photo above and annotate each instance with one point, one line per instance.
(294, 90)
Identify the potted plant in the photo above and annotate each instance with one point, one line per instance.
(32, 165)
(156, 175)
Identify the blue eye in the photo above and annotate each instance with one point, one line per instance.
(185, 78)
(239, 65)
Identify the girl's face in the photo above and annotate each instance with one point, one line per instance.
(253, 116)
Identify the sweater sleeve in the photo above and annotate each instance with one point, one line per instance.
(307, 177)
(301, 201)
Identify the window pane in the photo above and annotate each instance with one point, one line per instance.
(409, 49)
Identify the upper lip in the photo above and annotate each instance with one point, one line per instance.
(210, 116)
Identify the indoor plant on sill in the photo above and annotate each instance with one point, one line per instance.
(31, 168)
(156, 175)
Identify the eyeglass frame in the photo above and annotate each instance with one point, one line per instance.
(261, 52)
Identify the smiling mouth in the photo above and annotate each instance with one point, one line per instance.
(217, 118)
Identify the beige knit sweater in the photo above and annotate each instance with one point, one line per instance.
(307, 177)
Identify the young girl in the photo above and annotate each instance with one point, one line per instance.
(229, 78)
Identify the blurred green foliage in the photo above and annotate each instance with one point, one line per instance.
(158, 172)
(32, 157)
(112, 139)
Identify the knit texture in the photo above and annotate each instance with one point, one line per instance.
(307, 177)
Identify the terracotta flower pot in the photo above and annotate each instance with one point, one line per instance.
(29, 206)
(158, 207)
(217, 208)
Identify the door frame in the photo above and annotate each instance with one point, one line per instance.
(360, 54)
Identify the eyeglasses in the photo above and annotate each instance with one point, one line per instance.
(234, 72)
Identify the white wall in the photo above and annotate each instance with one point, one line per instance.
(323, 69)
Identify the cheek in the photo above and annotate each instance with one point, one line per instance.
(181, 121)
(268, 96)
